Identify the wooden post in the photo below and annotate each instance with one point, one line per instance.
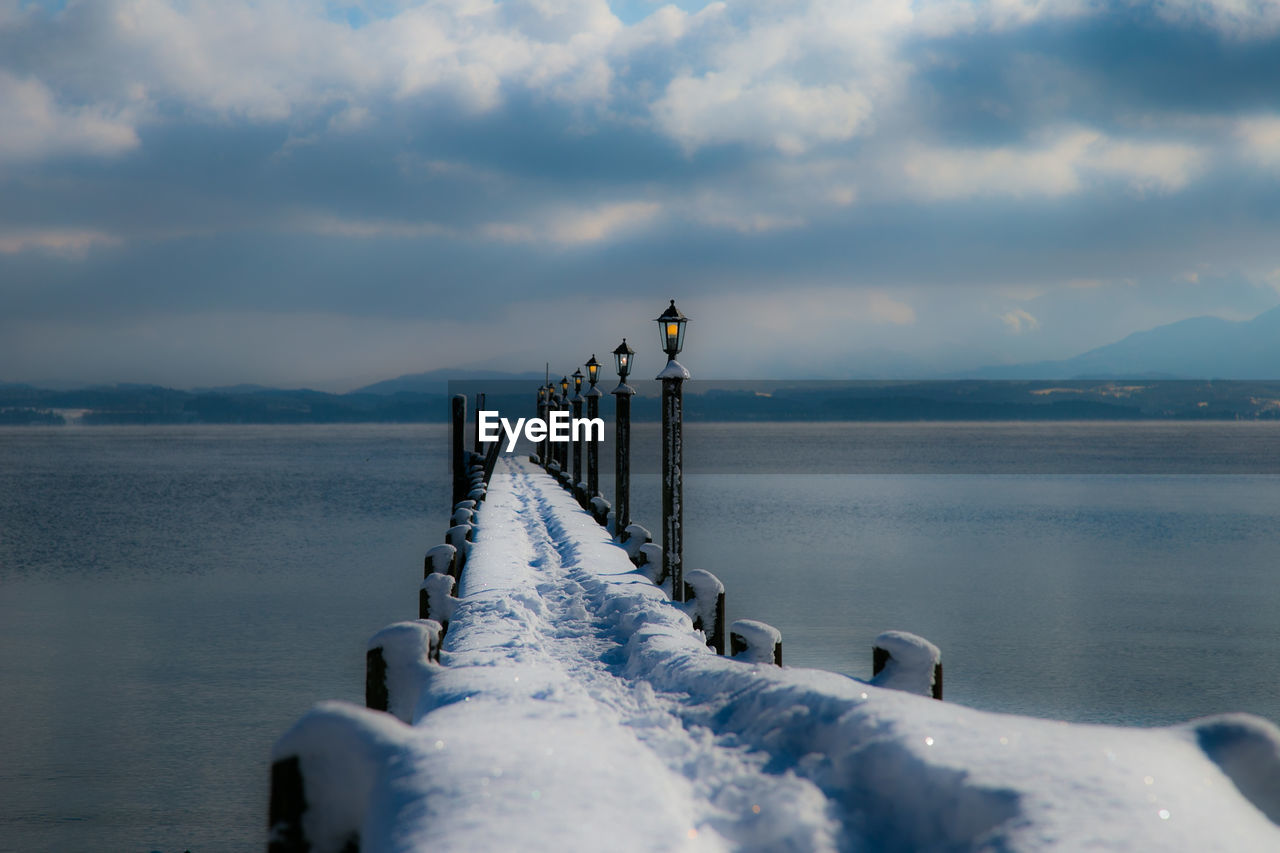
(375, 680)
(442, 559)
(461, 482)
(562, 452)
(479, 408)
(546, 442)
(673, 480)
(622, 457)
(755, 642)
(491, 459)
(288, 803)
(706, 593)
(593, 447)
(916, 654)
(577, 445)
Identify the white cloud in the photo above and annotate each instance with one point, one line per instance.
(789, 117)
(564, 226)
(756, 81)
(1240, 19)
(60, 241)
(813, 312)
(575, 227)
(1019, 321)
(358, 229)
(1260, 136)
(1146, 166)
(1061, 164)
(34, 125)
(1272, 279)
(941, 18)
(592, 226)
(275, 61)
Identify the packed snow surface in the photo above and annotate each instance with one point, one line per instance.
(576, 709)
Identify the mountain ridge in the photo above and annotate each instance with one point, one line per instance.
(1202, 347)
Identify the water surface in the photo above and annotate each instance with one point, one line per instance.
(172, 599)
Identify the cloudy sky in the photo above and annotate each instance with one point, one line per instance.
(331, 193)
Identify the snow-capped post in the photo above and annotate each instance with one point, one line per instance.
(755, 642)
(903, 661)
(577, 415)
(442, 559)
(461, 480)
(622, 437)
(671, 332)
(479, 408)
(399, 661)
(705, 597)
(436, 600)
(593, 396)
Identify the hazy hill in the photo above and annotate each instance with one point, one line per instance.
(436, 381)
(1198, 348)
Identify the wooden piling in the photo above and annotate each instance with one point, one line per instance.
(672, 485)
(593, 447)
(880, 658)
(287, 805)
(750, 641)
(375, 680)
(461, 484)
(622, 456)
(706, 593)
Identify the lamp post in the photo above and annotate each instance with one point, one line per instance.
(593, 396)
(479, 409)
(542, 402)
(546, 415)
(562, 452)
(577, 413)
(671, 333)
(622, 440)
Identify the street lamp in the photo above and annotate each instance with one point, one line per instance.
(671, 325)
(622, 359)
(622, 441)
(593, 370)
(671, 330)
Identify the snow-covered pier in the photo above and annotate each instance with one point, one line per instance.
(571, 705)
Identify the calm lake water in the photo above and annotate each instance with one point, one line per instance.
(172, 599)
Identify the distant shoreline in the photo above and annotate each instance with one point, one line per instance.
(761, 401)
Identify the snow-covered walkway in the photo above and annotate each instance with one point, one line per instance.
(575, 709)
(576, 748)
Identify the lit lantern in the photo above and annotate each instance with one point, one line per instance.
(622, 359)
(593, 370)
(564, 386)
(671, 330)
(577, 382)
